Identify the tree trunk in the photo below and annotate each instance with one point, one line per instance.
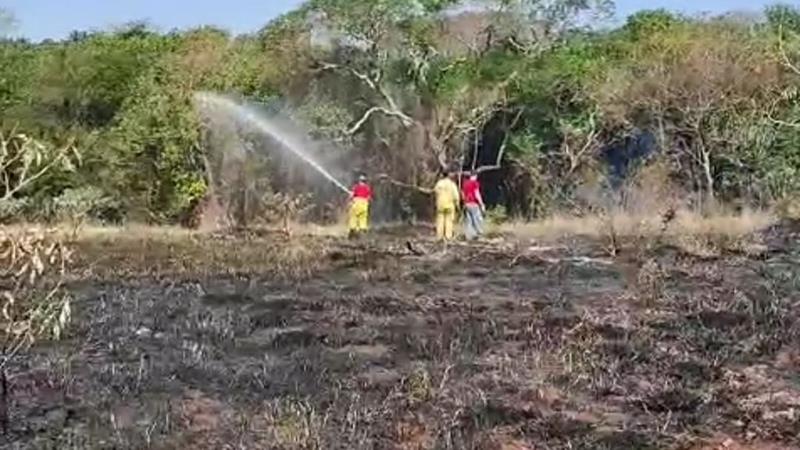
(4, 400)
(708, 174)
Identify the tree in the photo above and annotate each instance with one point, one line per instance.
(393, 49)
(785, 17)
(533, 26)
(645, 23)
(694, 85)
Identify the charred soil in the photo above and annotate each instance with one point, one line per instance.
(388, 344)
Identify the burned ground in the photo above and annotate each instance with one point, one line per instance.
(492, 346)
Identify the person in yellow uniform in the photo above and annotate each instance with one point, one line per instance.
(447, 200)
(361, 195)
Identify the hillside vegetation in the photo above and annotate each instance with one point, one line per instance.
(546, 98)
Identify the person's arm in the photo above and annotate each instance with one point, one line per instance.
(479, 197)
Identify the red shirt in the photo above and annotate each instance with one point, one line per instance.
(470, 190)
(362, 190)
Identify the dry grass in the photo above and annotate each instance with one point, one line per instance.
(140, 250)
(142, 231)
(788, 208)
(311, 229)
(735, 225)
(137, 250)
(90, 232)
(686, 223)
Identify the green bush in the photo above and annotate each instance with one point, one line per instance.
(496, 215)
(87, 203)
(13, 210)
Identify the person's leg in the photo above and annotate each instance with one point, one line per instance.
(469, 223)
(450, 219)
(363, 219)
(440, 224)
(352, 220)
(478, 221)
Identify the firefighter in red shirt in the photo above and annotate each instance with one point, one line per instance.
(473, 206)
(361, 194)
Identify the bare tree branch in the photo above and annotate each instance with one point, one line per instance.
(575, 159)
(501, 153)
(391, 108)
(783, 123)
(375, 109)
(392, 181)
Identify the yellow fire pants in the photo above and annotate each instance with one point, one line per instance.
(445, 223)
(359, 215)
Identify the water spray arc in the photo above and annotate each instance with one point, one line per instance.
(251, 116)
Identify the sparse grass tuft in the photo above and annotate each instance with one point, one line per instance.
(650, 282)
(419, 386)
(293, 424)
(788, 208)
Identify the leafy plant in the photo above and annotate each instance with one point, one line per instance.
(35, 305)
(497, 215)
(80, 204)
(25, 163)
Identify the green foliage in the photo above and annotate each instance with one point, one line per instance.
(12, 209)
(16, 72)
(361, 17)
(497, 215)
(326, 119)
(86, 83)
(648, 22)
(784, 16)
(79, 204)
